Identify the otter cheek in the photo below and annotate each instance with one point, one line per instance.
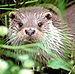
(21, 33)
(39, 35)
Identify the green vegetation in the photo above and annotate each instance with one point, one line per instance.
(7, 66)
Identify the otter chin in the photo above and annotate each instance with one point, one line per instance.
(37, 24)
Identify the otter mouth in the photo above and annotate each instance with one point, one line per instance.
(29, 41)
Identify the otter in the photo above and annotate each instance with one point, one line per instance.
(39, 25)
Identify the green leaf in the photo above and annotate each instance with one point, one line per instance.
(7, 5)
(3, 30)
(6, 20)
(58, 63)
(1, 41)
(7, 8)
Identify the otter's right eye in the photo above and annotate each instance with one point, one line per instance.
(20, 25)
(40, 24)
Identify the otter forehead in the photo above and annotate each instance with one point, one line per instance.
(33, 10)
(32, 13)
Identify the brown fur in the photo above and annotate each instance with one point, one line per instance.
(50, 35)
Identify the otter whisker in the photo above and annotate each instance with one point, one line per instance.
(11, 35)
(15, 42)
(15, 28)
(14, 38)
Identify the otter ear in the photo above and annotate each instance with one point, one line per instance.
(12, 15)
(48, 15)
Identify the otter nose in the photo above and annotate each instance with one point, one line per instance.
(30, 32)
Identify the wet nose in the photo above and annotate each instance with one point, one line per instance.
(30, 32)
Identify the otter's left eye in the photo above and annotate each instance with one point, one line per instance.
(20, 25)
(40, 24)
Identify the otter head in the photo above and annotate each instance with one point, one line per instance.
(29, 25)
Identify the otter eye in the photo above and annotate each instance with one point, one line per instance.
(40, 24)
(20, 25)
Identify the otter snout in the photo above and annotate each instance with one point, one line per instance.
(30, 32)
